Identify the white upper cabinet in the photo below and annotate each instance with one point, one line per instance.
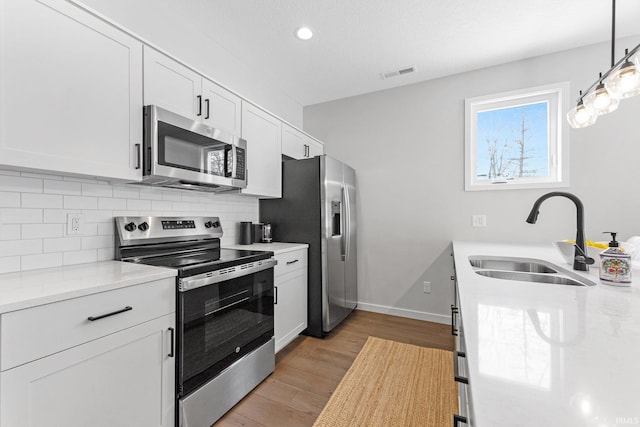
(71, 91)
(298, 145)
(263, 134)
(175, 87)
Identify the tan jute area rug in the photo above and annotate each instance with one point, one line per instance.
(394, 384)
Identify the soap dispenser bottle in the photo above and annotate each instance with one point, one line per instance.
(615, 264)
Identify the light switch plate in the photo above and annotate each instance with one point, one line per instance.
(479, 220)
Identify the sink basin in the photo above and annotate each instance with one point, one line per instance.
(532, 277)
(510, 264)
(526, 270)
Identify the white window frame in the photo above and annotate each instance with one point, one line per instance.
(556, 97)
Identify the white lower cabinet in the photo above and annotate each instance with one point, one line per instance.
(122, 379)
(290, 278)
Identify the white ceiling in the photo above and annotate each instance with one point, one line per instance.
(356, 40)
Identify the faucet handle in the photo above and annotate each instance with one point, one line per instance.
(584, 258)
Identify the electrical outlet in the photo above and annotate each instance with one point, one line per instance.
(479, 220)
(75, 223)
(427, 287)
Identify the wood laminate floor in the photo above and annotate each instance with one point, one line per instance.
(309, 369)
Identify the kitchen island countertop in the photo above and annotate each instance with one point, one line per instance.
(545, 354)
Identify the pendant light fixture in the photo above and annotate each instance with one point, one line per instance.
(604, 95)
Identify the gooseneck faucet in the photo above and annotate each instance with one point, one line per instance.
(580, 259)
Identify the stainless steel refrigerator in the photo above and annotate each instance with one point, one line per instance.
(318, 207)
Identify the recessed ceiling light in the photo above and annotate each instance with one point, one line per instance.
(304, 33)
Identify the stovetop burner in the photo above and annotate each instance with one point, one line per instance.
(190, 244)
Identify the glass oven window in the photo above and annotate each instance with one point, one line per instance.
(221, 323)
(188, 150)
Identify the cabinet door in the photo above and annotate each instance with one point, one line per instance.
(123, 379)
(290, 316)
(264, 152)
(222, 109)
(71, 89)
(172, 86)
(293, 142)
(299, 145)
(315, 148)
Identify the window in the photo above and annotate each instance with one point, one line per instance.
(517, 139)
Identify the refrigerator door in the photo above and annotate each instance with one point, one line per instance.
(351, 274)
(334, 240)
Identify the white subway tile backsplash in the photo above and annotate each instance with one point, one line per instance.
(64, 244)
(97, 242)
(10, 232)
(91, 215)
(106, 254)
(42, 231)
(9, 199)
(62, 187)
(34, 210)
(98, 190)
(20, 216)
(173, 195)
(41, 200)
(161, 205)
(20, 247)
(79, 257)
(105, 229)
(10, 264)
(126, 192)
(150, 193)
(134, 204)
(80, 202)
(21, 184)
(33, 262)
(110, 203)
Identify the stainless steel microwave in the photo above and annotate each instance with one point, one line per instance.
(183, 153)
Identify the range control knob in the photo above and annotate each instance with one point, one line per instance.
(216, 224)
(143, 226)
(208, 224)
(130, 227)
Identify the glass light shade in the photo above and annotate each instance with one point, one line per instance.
(625, 81)
(601, 100)
(581, 116)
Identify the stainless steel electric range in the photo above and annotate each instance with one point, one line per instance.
(224, 322)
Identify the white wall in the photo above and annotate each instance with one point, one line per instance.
(164, 24)
(34, 209)
(407, 146)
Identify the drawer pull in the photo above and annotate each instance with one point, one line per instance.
(172, 331)
(459, 419)
(113, 313)
(292, 262)
(456, 374)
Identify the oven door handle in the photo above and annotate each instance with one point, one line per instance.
(188, 283)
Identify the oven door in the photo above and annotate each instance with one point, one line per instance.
(219, 324)
(182, 151)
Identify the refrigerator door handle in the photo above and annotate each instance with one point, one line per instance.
(343, 241)
(347, 221)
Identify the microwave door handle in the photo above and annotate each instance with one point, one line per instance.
(234, 161)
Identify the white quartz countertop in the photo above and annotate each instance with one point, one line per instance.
(36, 287)
(275, 247)
(548, 355)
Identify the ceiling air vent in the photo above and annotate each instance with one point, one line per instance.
(400, 72)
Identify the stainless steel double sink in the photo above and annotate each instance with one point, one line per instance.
(526, 270)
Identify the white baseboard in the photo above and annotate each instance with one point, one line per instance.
(403, 312)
